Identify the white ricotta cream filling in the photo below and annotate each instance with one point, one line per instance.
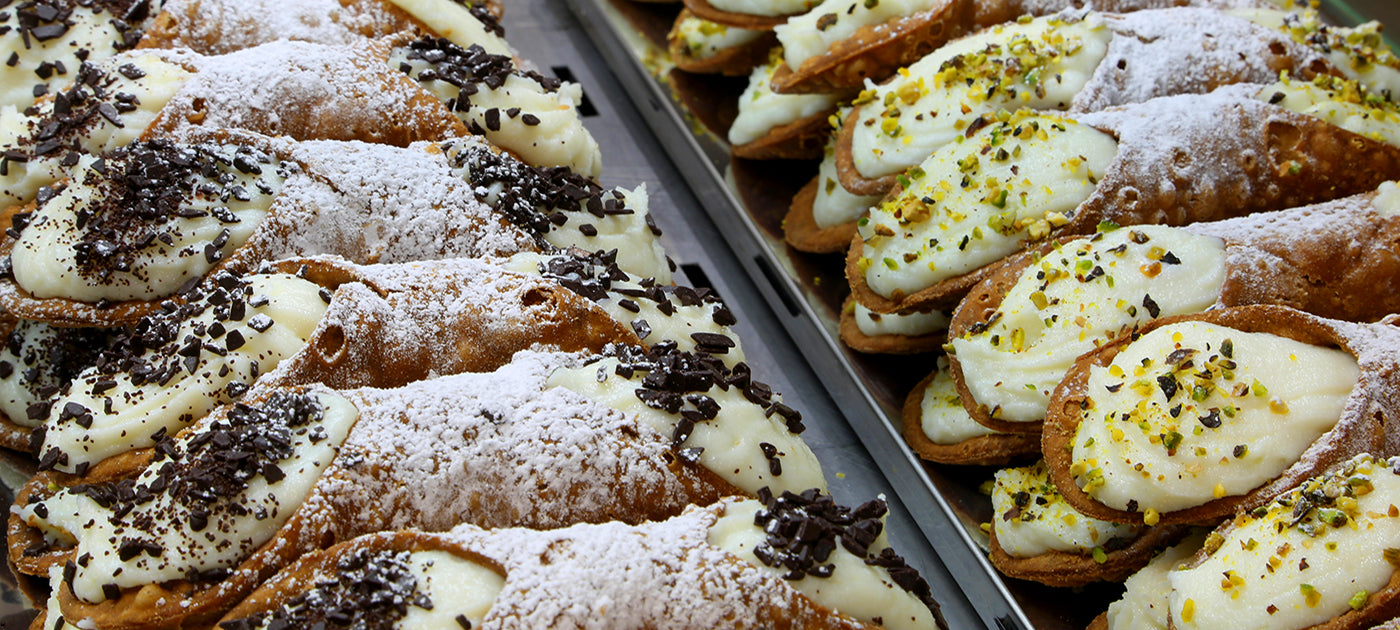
(1387, 201)
(1359, 52)
(1279, 570)
(453, 21)
(230, 534)
(1041, 64)
(540, 125)
(761, 109)
(46, 256)
(834, 205)
(1193, 411)
(814, 32)
(942, 415)
(456, 586)
(1078, 297)
(854, 588)
(764, 8)
(1341, 103)
(37, 357)
(155, 83)
(1031, 518)
(124, 415)
(703, 39)
(731, 441)
(38, 61)
(872, 324)
(639, 249)
(973, 203)
(1144, 604)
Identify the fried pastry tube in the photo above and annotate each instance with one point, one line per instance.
(1173, 161)
(1076, 62)
(822, 216)
(1201, 416)
(937, 427)
(779, 126)
(1036, 536)
(503, 448)
(214, 27)
(1020, 330)
(300, 90)
(1327, 548)
(307, 321)
(704, 47)
(708, 567)
(842, 44)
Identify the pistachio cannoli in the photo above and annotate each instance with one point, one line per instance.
(553, 579)
(429, 455)
(1144, 602)
(1172, 161)
(937, 427)
(864, 330)
(706, 47)
(822, 217)
(1019, 331)
(779, 126)
(1200, 416)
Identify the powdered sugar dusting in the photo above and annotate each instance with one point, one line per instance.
(377, 203)
(656, 575)
(219, 27)
(1149, 49)
(499, 449)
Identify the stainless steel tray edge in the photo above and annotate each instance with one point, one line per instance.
(963, 557)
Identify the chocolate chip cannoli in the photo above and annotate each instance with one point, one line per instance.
(46, 41)
(704, 47)
(307, 321)
(552, 578)
(36, 362)
(1200, 416)
(1172, 161)
(1017, 333)
(504, 448)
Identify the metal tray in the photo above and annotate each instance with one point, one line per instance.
(748, 200)
(547, 33)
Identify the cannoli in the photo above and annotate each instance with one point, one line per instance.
(1072, 61)
(647, 576)
(822, 216)
(339, 324)
(1143, 605)
(840, 44)
(1036, 536)
(937, 427)
(754, 15)
(301, 90)
(1172, 160)
(45, 41)
(37, 361)
(1318, 556)
(864, 330)
(706, 47)
(1201, 416)
(1020, 330)
(516, 108)
(215, 27)
(693, 319)
(779, 126)
(429, 455)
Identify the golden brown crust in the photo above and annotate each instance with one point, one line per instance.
(306, 571)
(373, 103)
(800, 228)
(735, 62)
(1361, 429)
(846, 171)
(706, 11)
(875, 51)
(853, 337)
(1064, 569)
(989, 450)
(801, 139)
